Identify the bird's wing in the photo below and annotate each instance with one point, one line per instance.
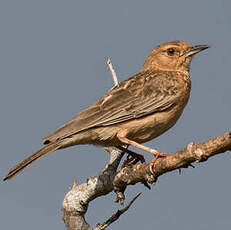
(138, 96)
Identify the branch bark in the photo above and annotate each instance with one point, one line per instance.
(76, 201)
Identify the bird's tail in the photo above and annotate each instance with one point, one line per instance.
(39, 154)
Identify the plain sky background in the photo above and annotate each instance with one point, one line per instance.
(53, 64)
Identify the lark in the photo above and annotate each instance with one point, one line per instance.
(136, 111)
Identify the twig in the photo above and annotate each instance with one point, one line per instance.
(116, 216)
(113, 73)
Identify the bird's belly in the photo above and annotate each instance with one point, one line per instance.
(147, 128)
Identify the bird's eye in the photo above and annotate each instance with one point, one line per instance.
(170, 51)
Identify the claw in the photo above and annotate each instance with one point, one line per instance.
(153, 161)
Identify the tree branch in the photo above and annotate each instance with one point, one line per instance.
(149, 173)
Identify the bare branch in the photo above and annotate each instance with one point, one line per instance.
(117, 215)
(149, 173)
(113, 73)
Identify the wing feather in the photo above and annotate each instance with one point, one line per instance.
(138, 96)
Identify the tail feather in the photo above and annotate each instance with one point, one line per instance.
(39, 154)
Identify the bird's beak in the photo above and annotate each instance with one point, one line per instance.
(195, 49)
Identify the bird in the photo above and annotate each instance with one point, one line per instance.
(135, 111)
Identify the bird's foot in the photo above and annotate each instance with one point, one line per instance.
(129, 161)
(132, 157)
(157, 155)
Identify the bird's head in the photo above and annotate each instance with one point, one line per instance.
(175, 55)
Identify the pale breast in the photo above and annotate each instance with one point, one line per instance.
(147, 128)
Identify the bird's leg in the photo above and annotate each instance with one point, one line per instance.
(133, 155)
(154, 152)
